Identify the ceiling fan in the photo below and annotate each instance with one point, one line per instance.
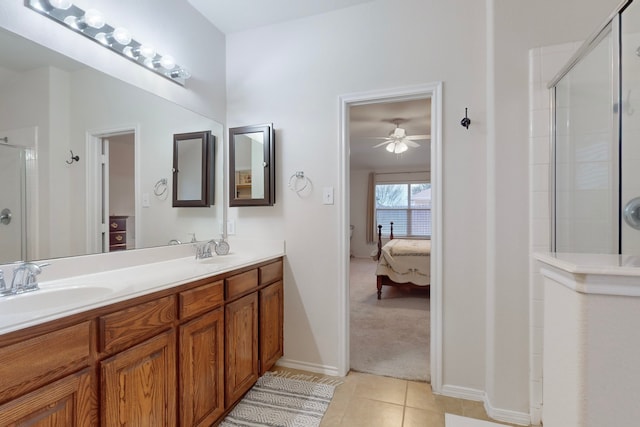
(398, 141)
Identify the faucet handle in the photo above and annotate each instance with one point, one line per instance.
(3, 285)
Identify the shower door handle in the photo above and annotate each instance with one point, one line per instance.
(5, 216)
(631, 213)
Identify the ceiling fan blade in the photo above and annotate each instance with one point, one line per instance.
(381, 144)
(418, 137)
(411, 143)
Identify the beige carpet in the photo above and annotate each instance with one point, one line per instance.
(389, 337)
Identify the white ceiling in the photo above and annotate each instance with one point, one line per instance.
(377, 120)
(230, 16)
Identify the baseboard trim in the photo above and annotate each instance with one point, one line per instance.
(309, 367)
(504, 415)
(463, 392)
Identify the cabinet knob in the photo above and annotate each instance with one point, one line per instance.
(114, 225)
(118, 238)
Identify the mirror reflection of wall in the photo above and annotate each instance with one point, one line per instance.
(82, 103)
(190, 155)
(249, 158)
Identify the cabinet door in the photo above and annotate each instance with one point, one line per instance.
(139, 385)
(68, 402)
(241, 324)
(271, 324)
(202, 369)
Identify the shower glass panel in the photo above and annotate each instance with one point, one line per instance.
(630, 128)
(12, 203)
(586, 178)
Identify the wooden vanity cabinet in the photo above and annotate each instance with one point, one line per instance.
(201, 355)
(271, 325)
(138, 385)
(254, 327)
(67, 402)
(180, 357)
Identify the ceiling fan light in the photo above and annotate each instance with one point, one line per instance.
(391, 147)
(401, 147)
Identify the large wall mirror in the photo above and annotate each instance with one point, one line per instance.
(51, 105)
(193, 169)
(252, 166)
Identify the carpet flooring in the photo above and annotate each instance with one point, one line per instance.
(389, 337)
(281, 400)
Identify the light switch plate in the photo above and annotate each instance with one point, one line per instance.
(327, 196)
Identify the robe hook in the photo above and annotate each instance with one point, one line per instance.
(466, 121)
(75, 158)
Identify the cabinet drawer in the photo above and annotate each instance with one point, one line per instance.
(241, 283)
(24, 366)
(118, 238)
(271, 273)
(201, 299)
(126, 327)
(117, 223)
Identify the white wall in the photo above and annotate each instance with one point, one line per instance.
(348, 51)
(306, 66)
(517, 27)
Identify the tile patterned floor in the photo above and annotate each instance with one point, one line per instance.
(374, 401)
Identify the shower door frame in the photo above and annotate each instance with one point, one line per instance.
(610, 26)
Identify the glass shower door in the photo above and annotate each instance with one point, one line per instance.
(586, 152)
(630, 130)
(12, 204)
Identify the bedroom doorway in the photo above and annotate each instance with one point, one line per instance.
(368, 122)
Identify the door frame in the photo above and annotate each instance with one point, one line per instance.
(429, 90)
(94, 183)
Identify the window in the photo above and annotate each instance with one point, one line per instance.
(408, 205)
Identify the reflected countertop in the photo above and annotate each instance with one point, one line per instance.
(120, 283)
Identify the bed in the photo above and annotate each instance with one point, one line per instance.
(403, 263)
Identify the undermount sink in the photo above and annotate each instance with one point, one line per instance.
(42, 300)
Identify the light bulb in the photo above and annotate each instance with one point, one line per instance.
(94, 19)
(401, 147)
(129, 52)
(181, 73)
(102, 38)
(167, 62)
(147, 50)
(72, 21)
(122, 36)
(61, 4)
(391, 147)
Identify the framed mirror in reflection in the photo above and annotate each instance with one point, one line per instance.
(252, 166)
(193, 169)
(55, 105)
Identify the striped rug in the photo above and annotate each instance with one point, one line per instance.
(283, 400)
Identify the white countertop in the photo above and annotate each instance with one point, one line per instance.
(79, 291)
(594, 264)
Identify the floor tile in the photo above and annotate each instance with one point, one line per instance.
(384, 389)
(364, 412)
(419, 395)
(414, 417)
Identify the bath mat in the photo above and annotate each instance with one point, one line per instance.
(283, 400)
(451, 420)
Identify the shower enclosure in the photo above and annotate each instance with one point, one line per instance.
(12, 203)
(595, 163)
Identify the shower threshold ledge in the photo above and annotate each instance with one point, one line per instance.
(590, 339)
(604, 274)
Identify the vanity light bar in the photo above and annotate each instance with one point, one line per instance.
(91, 23)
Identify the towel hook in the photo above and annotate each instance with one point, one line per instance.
(294, 182)
(75, 158)
(466, 121)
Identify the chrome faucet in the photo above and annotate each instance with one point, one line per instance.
(24, 279)
(203, 250)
